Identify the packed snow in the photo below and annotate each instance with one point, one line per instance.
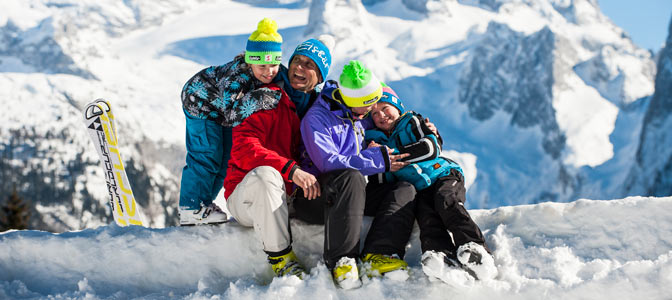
(587, 249)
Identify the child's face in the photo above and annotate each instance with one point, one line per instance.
(265, 73)
(384, 115)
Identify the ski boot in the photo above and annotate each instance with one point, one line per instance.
(477, 261)
(376, 265)
(211, 214)
(286, 264)
(346, 273)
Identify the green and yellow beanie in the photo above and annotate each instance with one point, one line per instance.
(358, 86)
(265, 44)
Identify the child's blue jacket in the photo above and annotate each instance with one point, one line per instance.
(411, 135)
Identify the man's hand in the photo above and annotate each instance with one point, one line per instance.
(373, 144)
(308, 182)
(395, 164)
(431, 126)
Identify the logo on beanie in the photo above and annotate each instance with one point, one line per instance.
(306, 46)
(371, 101)
(254, 58)
(268, 57)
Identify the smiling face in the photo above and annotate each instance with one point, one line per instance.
(384, 115)
(265, 73)
(303, 73)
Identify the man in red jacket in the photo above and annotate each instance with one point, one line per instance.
(260, 176)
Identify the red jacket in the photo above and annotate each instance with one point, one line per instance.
(265, 138)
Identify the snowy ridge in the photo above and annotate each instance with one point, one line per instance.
(578, 250)
(62, 37)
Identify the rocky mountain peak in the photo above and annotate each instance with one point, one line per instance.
(654, 155)
(509, 71)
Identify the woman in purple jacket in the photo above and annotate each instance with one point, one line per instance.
(337, 155)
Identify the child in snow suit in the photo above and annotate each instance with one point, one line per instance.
(214, 101)
(439, 183)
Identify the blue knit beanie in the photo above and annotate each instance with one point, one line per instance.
(318, 51)
(389, 96)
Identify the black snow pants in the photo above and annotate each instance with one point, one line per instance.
(439, 210)
(393, 209)
(341, 208)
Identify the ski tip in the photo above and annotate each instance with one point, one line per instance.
(105, 104)
(92, 111)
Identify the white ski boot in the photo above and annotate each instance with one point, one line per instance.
(211, 214)
(437, 266)
(477, 261)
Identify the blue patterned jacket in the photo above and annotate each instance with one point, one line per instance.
(229, 93)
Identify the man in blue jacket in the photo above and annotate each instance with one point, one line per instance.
(334, 139)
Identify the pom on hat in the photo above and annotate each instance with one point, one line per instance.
(267, 30)
(327, 40)
(358, 85)
(319, 51)
(265, 44)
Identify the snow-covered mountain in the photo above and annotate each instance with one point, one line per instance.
(578, 250)
(544, 100)
(652, 175)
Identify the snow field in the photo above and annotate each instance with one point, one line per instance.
(587, 249)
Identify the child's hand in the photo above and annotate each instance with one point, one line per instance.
(431, 126)
(308, 182)
(395, 163)
(373, 144)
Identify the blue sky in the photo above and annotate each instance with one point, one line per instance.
(646, 21)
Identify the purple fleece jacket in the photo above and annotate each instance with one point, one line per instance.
(334, 140)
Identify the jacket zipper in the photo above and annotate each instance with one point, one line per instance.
(357, 142)
(354, 130)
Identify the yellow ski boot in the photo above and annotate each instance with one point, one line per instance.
(346, 274)
(376, 265)
(286, 265)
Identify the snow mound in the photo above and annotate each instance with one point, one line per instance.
(585, 249)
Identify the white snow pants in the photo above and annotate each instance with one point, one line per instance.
(260, 201)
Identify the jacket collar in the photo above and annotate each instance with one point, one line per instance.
(329, 100)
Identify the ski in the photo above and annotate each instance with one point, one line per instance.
(100, 124)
